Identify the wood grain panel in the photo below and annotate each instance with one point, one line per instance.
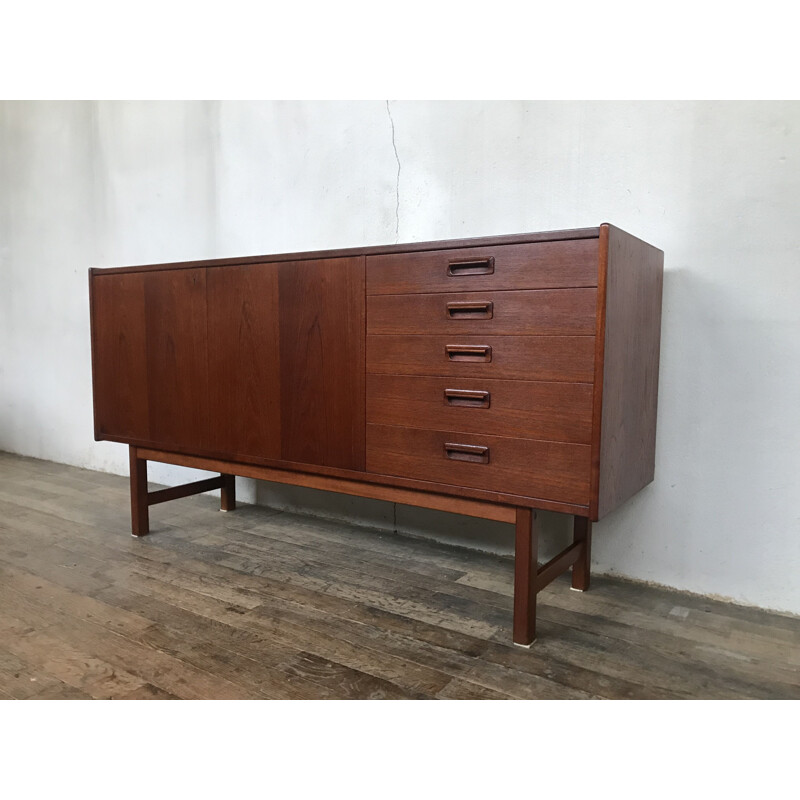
(244, 360)
(518, 266)
(630, 368)
(322, 362)
(119, 365)
(543, 312)
(520, 409)
(542, 358)
(177, 357)
(553, 470)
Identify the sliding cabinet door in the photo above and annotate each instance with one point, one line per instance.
(244, 360)
(149, 357)
(322, 386)
(119, 356)
(177, 359)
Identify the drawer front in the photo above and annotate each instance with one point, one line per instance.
(543, 312)
(556, 471)
(543, 265)
(559, 412)
(532, 358)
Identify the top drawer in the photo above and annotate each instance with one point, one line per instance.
(540, 265)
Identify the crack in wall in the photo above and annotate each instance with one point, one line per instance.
(397, 186)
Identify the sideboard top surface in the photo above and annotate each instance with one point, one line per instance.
(410, 247)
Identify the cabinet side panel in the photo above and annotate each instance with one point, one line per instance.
(322, 351)
(177, 357)
(630, 373)
(244, 360)
(119, 353)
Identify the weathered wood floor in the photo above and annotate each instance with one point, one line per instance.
(260, 604)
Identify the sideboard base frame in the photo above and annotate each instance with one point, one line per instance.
(529, 577)
(142, 499)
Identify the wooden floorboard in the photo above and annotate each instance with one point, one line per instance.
(260, 604)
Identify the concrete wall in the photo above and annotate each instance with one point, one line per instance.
(715, 185)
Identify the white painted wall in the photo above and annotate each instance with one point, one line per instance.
(715, 185)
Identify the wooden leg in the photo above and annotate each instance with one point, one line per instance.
(141, 499)
(228, 493)
(582, 533)
(140, 518)
(525, 568)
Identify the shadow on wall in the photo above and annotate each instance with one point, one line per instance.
(729, 391)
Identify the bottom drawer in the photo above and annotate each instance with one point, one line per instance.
(557, 471)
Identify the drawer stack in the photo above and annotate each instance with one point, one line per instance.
(480, 367)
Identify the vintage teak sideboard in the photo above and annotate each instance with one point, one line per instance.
(490, 377)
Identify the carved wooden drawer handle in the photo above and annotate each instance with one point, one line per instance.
(472, 398)
(470, 310)
(471, 266)
(469, 352)
(466, 452)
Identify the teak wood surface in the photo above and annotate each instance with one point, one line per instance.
(322, 362)
(542, 265)
(542, 347)
(541, 312)
(568, 359)
(244, 357)
(520, 409)
(561, 469)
